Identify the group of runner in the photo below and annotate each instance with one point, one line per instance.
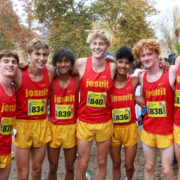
(102, 104)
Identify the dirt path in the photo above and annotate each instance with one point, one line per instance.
(139, 166)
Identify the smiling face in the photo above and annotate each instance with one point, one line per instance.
(8, 66)
(64, 66)
(39, 58)
(98, 47)
(148, 58)
(123, 66)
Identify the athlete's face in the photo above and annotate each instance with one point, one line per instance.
(64, 67)
(123, 66)
(8, 66)
(98, 47)
(39, 58)
(148, 58)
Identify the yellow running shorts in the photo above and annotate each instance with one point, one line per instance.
(157, 140)
(63, 135)
(32, 133)
(89, 131)
(128, 135)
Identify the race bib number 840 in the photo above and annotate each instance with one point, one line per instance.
(156, 109)
(36, 107)
(96, 99)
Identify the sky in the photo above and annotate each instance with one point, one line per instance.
(164, 7)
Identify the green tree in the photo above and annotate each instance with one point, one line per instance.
(177, 47)
(67, 22)
(126, 19)
(12, 33)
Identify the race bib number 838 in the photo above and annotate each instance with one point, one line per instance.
(177, 98)
(156, 109)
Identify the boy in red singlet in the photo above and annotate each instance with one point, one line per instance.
(63, 114)
(96, 80)
(177, 108)
(123, 115)
(158, 92)
(32, 93)
(8, 67)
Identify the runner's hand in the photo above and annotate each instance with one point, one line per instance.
(164, 65)
(110, 59)
(23, 65)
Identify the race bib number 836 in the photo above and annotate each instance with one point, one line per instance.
(122, 115)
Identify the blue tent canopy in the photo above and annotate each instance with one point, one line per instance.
(108, 54)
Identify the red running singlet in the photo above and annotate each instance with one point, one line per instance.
(159, 99)
(177, 99)
(7, 114)
(32, 97)
(64, 102)
(95, 91)
(123, 104)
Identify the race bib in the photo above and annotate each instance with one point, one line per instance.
(95, 99)
(63, 112)
(36, 107)
(177, 98)
(6, 125)
(122, 115)
(156, 109)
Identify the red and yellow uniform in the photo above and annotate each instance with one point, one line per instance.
(177, 108)
(123, 115)
(95, 104)
(158, 121)
(63, 114)
(7, 114)
(31, 123)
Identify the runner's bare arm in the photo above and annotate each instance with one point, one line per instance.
(135, 82)
(113, 69)
(17, 79)
(172, 76)
(51, 71)
(140, 99)
(164, 65)
(77, 81)
(177, 61)
(79, 67)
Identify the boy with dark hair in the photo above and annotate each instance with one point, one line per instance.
(63, 114)
(123, 114)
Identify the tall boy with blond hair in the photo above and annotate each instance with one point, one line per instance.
(96, 80)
